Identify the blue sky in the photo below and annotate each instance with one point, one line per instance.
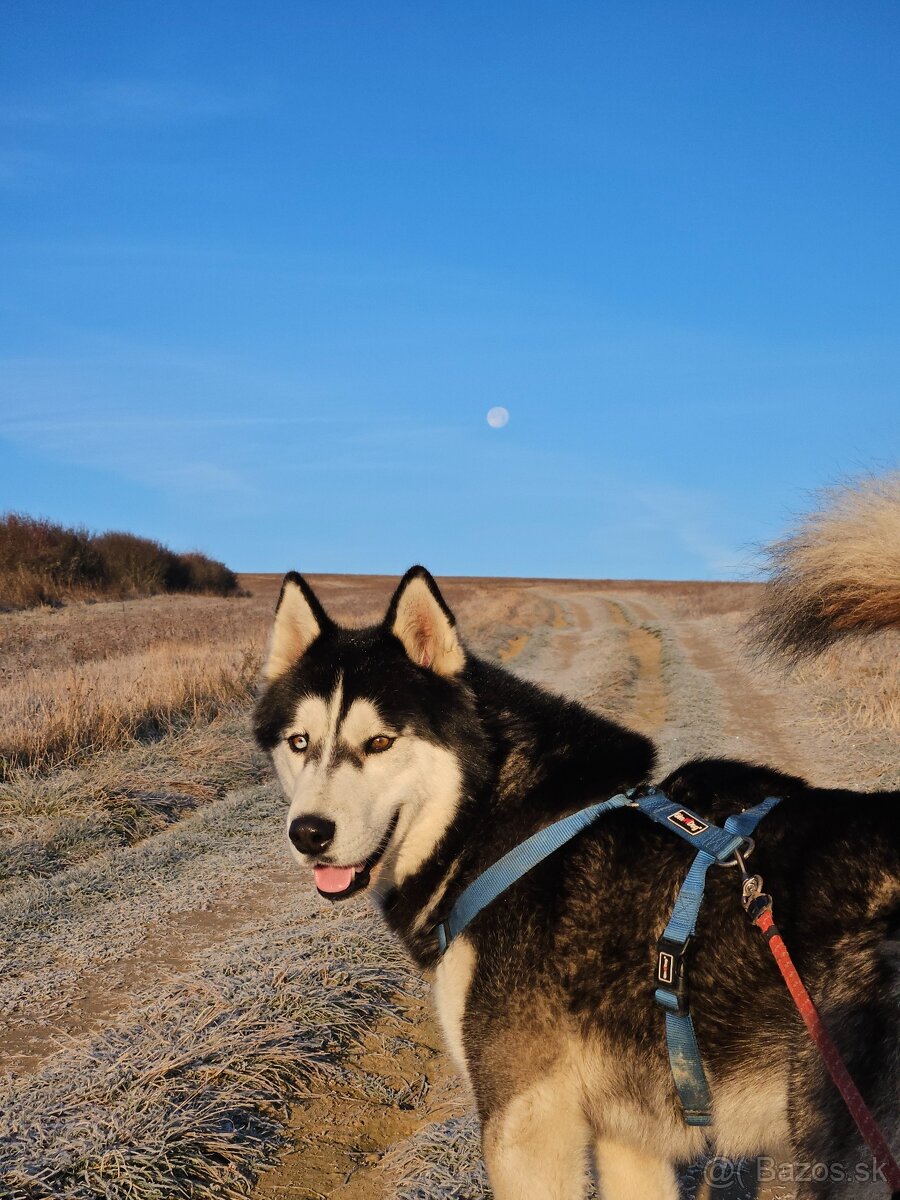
(264, 269)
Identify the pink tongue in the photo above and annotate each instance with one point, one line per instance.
(334, 879)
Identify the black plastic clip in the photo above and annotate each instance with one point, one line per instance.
(672, 975)
(442, 935)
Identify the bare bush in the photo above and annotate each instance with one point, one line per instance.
(44, 563)
(138, 565)
(40, 560)
(204, 574)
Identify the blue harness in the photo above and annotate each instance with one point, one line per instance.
(713, 844)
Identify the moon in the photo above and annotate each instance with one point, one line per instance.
(497, 417)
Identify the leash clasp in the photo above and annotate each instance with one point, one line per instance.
(751, 889)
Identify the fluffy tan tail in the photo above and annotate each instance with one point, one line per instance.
(838, 573)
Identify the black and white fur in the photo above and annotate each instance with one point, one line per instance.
(417, 761)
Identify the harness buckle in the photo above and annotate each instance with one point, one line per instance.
(672, 976)
(442, 934)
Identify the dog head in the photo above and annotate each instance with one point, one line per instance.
(371, 732)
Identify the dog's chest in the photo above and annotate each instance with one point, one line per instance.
(450, 990)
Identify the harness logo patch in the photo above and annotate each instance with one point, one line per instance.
(665, 971)
(688, 822)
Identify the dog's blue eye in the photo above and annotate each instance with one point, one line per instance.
(298, 742)
(380, 743)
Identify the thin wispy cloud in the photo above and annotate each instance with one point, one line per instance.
(198, 478)
(85, 425)
(689, 517)
(126, 101)
(20, 169)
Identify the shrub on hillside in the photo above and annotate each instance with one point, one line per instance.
(43, 563)
(40, 561)
(138, 564)
(207, 575)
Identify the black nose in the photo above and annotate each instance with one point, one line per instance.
(311, 835)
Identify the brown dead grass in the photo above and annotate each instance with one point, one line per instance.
(93, 677)
(60, 716)
(708, 599)
(53, 639)
(858, 683)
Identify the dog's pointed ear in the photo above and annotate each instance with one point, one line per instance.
(299, 619)
(418, 615)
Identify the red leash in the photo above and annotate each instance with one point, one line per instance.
(759, 909)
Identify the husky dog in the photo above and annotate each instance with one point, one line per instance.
(410, 764)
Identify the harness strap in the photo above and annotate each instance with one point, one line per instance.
(517, 862)
(714, 845)
(762, 918)
(719, 844)
(672, 992)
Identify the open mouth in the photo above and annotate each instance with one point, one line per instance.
(338, 883)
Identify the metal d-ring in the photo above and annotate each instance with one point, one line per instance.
(747, 848)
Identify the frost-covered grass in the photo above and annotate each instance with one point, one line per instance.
(53, 931)
(440, 1162)
(52, 821)
(185, 1096)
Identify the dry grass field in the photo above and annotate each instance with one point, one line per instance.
(178, 1015)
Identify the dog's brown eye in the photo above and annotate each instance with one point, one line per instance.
(298, 742)
(377, 745)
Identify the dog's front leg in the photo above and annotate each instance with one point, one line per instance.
(627, 1173)
(536, 1146)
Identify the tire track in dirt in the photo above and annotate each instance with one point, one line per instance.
(514, 647)
(596, 653)
(752, 720)
(753, 725)
(338, 1142)
(649, 706)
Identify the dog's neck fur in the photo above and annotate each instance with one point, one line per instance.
(531, 758)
